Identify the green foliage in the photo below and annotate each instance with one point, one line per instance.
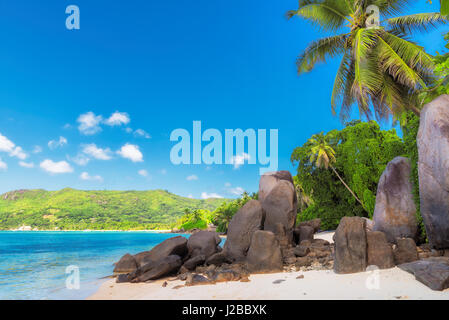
(410, 132)
(381, 70)
(224, 213)
(70, 209)
(362, 153)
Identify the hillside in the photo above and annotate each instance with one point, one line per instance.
(70, 209)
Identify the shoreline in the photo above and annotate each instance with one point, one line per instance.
(393, 284)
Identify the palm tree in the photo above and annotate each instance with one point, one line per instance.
(322, 155)
(381, 69)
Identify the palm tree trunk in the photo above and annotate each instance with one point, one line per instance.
(347, 187)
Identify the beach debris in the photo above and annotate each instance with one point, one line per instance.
(264, 254)
(432, 272)
(433, 170)
(164, 284)
(379, 251)
(350, 246)
(395, 210)
(405, 251)
(300, 276)
(126, 264)
(178, 286)
(245, 222)
(278, 281)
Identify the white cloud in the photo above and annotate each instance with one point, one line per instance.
(19, 153)
(56, 167)
(236, 191)
(163, 171)
(205, 195)
(53, 144)
(239, 159)
(97, 153)
(142, 133)
(26, 164)
(3, 165)
(80, 159)
(227, 184)
(8, 146)
(192, 177)
(143, 173)
(87, 177)
(117, 119)
(89, 123)
(131, 152)
(37, 149)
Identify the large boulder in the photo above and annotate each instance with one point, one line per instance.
(405, 251)
(173, 246)
(160, 269)
(280, 206)
(379, 251)
(433, 168)
(395, 211)
(126, 264)
(269, 180)
(203, 243)
(264, 254)
(241, 228)
(433, 272)
(350, 246)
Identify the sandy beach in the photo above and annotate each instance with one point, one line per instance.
(391, 284)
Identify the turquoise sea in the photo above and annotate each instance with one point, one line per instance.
(33, 263)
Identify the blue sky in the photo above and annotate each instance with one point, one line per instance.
(99, 103)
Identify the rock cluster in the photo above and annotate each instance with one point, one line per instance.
(261, 238)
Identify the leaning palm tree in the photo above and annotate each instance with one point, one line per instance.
(322, 155)
(381, 69)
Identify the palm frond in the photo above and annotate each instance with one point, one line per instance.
(421, 22)
(318, 51)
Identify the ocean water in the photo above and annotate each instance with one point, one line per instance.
(33, 265)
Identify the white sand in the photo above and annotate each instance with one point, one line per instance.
(382, 284)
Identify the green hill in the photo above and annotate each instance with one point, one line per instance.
(70, 209)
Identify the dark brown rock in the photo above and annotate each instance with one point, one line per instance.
(405, 251)
(380, 252)
(433, 272)
(264, 254)
(161, 268)
(126, 264)
(395, 211)
(173, 246)
(433, 169)
(302, 251)
(203, 243)
(122, 278)
(241, 228)
(269, 180)
(305, 233)
(197, 279)
(350, 246)
(192, 263)
(280, 206)
(217, 259)
(314, 223)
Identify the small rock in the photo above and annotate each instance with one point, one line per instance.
(405, 251)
